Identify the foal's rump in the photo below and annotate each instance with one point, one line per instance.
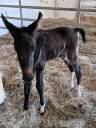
(72, 44)
(61, 40)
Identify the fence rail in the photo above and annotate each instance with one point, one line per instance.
(20, 6)
(50, 8)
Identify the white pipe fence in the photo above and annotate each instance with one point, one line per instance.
(78, 9)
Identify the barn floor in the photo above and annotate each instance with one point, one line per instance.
(63, 109)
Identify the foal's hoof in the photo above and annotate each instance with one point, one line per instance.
(42, 109)
(25, 108)
(79, 91)
(70, 84)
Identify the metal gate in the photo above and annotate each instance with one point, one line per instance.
(78, 9)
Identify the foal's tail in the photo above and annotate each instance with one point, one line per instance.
(82, 32)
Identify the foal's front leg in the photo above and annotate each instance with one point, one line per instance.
(39, 86)
(27, 87)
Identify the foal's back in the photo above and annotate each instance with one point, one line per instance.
(57, 41)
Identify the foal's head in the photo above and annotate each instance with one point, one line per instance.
(25, 44)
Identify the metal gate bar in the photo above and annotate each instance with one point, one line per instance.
(20, 6)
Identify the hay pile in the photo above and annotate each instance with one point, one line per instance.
(63, 109)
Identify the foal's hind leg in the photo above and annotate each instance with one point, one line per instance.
(72, 73)
(71, 69)
(74, 68)
(78, 72)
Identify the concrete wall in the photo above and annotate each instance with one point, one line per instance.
(89, 4)
(59, 3)
(66, 4)
(52, 3)
(32, 13)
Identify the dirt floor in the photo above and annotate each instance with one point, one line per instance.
(64, 109)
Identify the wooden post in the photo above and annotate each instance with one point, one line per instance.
(20, 13)
(78, 13)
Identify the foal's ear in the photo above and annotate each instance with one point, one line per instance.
(39, 20)
(37, 23)
(12, 29)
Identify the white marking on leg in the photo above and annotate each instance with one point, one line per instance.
(71, 81)
(42, 109)
(2, 92)
(66, 59)
(79, 91)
